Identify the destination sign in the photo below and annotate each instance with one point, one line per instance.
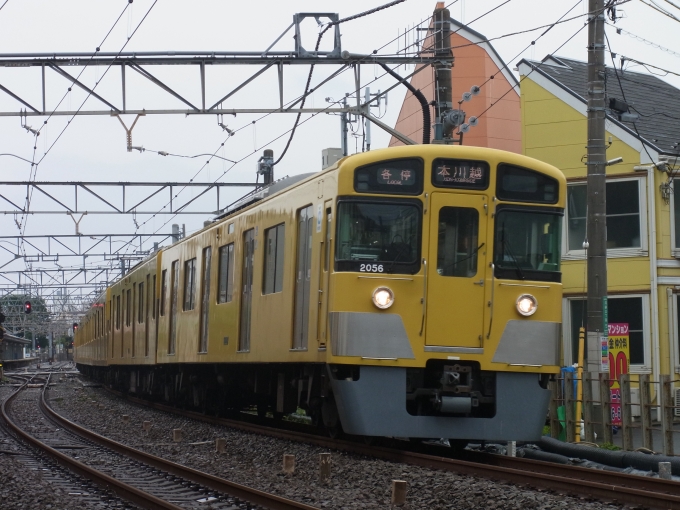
(400, 176)
(460, 173)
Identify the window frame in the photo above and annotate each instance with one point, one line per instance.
(189, 283)
(675, 248)
(644, 368)
(350, 266)
(279, 259)
(229, 280)
(642, 251)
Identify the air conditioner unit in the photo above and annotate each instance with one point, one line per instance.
(635, 402)
(676, 411)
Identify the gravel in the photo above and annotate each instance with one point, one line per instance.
(356, 482)
(29, 481)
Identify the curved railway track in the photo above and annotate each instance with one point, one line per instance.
(602, 485)
(143, 479)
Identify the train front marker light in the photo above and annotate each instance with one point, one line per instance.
(526, 305)
(383, 297)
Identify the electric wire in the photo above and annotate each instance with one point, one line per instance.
(623, 94)
(311, 68)
(34, 165)
(415, 27)
(642, 39)
(383, 75)
(278, 137)
(540, 64)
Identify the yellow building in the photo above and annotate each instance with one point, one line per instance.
(643, 215)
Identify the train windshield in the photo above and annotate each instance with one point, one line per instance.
(528, 244)
(379, 236)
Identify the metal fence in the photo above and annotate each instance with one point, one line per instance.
(596, 405)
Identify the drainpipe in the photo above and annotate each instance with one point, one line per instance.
(656, 367)
(671, 342)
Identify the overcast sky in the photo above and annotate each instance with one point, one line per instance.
(94, 148)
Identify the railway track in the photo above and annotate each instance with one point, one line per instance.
(147, 481)
(610, 486)
(36, 467)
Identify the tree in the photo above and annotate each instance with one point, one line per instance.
(12, 306)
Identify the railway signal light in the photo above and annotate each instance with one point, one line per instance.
(27, 307)
(75, 327)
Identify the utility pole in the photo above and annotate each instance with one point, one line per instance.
(367, 98)
(344, 128)
(596, 248)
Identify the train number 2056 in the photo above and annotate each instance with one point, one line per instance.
(371, 268)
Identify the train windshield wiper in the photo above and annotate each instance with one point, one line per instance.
(474, 252)
(504, 245)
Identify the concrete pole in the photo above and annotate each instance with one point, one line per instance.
(343, 128)
(367, 98)
(597, 200)
(443, 86)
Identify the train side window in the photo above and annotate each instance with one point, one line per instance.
(153, 299)
(140, 303)
(205, 299)
(118, 312)
(225, 276)
(128, 304)
(164, 290)
(273, 259)
(189, 284)
(327, 247)
(457, 244)
(173, 306)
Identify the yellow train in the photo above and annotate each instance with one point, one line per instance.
(411, 292)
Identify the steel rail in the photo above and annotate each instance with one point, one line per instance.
(105, 481)
(603, 485)
(243, 492)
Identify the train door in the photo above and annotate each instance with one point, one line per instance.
(324, 273)
(247, 289)
(455, 272)
(303, 275)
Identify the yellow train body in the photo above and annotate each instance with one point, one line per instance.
(289, 280)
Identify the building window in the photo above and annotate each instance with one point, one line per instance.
(631, 309)
(675, 218)
(274, 239)
(625, 216)
(225, 275)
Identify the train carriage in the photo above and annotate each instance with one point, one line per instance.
(412, 291)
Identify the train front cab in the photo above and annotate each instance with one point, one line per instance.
(467, 257)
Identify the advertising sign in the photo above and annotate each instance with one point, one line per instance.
(619, 355)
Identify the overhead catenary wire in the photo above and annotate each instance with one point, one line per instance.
(311, 68)
(426, 20)
(34, 165)
(415, 27)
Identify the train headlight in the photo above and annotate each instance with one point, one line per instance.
(526, 305)
(383, 297)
